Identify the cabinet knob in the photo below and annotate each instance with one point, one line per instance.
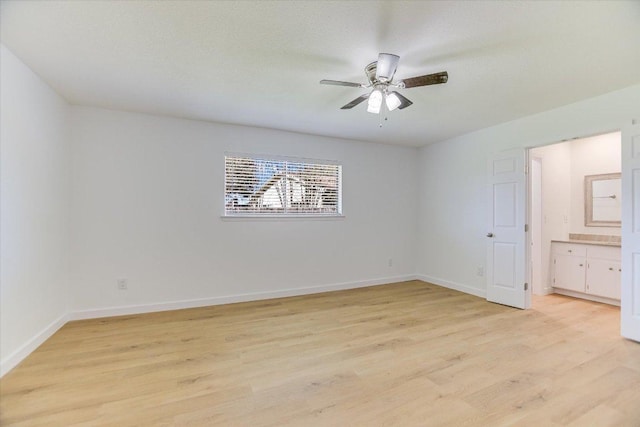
(489, 234)
(610, 268)
(569, 250)
(581, 265)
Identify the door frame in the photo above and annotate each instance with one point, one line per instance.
(535, 182)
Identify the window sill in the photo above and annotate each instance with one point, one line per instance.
(289, 217)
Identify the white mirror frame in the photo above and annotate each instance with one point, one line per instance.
(589, 220)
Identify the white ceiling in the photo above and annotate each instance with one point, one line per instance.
(258, 63)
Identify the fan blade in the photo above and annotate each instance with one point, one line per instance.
(355, 102)
(339, 83)
(386, 67)
(404, 102)
(429, 79)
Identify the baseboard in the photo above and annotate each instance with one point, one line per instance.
(452, 285)
(11, 361)
(229, 299)
(581, 295)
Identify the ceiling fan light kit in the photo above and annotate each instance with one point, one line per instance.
(393, 101)
(380, 76)
(375, 102)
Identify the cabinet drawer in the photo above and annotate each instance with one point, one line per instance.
(569, 249)
(604, 252)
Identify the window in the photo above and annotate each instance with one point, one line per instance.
(256, 186)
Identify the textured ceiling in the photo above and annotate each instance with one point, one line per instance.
(258, 63)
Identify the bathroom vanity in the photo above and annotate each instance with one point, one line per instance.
(587, 269)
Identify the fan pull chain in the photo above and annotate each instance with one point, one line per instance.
(383, 112)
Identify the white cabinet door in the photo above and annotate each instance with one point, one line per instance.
(603, 278)
(569, 273)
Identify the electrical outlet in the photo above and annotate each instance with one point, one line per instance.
(390, 263)
(480, 271)
(122, 284)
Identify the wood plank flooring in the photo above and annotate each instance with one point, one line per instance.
(404, 354)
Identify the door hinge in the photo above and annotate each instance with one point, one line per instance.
(526, 286)
(526, 228)
(526, 169)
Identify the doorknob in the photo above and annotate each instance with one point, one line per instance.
(489, 234)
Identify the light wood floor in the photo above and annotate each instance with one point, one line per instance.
(407, 354)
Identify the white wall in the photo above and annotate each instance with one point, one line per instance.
(453, 203)
(148, 195)
(592, 156)
(34, 210)
(556, 203)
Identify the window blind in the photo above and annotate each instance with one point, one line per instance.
(256, 186)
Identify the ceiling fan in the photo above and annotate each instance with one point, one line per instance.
(380, 75)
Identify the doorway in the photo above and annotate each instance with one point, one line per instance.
(556, 217)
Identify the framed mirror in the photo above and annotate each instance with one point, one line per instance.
(602, 204)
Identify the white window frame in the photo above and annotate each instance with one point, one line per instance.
(281, 215)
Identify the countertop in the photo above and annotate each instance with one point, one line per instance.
(591, 242)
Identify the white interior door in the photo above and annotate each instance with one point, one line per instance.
(506, 237)
(630, 301)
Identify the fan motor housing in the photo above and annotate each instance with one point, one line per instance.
(370, 71)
